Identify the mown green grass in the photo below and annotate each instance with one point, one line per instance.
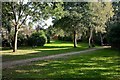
(55, 47)
(96, 65)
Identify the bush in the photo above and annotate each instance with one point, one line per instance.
(114, 36)
(65, 38)
(60, 38)
(21, 40)
(37, 39)
(5, 43)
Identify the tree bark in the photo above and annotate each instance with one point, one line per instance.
(75, 40)
(90, 38)
(15, 39)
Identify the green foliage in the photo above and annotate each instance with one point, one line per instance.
(22, 40)
(84, 16)
(51, 31)
(37, 39)
(72, 20)
(65, 38)
(6, 16)
(58, 10)
(98, 13)
(5, 43)
(114, 35)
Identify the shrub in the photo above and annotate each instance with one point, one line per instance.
(21, 39)
(5, 43)
(60, 38)
(114, 36)
(37, 39)
(65, 38)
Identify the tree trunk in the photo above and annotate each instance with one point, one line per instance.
(101, 39)
(90, 38)
(15, 39)
(75, 40)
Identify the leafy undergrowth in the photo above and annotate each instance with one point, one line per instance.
(55, 47)
(97, 65)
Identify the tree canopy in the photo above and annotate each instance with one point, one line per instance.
(81, 16)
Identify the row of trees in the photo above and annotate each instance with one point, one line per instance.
(85, 18)
(75, 18)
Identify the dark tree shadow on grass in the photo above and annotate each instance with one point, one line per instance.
(99, 66)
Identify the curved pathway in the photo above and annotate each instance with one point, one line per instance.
(10, 64)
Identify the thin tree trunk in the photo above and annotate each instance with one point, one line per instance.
(75, 40)
(101, 39)
(90, 38)
(15, 39)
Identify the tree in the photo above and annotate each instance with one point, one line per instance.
(72, 21)
(114, 35)
(91, 16)
(33, 11)
(6, 23)
(114, 29)
(96, 15)
(19, 12)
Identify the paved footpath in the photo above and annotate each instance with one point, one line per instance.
(10, 64)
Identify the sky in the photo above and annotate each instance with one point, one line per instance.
(48, 22)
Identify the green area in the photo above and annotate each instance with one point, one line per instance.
(101, 65)
(26, 34)
(55, 47)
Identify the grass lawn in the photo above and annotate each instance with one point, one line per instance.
(55, 47)
(97, 65)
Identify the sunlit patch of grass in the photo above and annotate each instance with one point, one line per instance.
(110, 73)
(43, 64)
(28, 71)
(19, 52)
(100, 64)
(102, 58)
(55, 47)
(94, 68)
(22, 71)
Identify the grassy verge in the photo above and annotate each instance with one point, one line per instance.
(98, 65)
(55, 47)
